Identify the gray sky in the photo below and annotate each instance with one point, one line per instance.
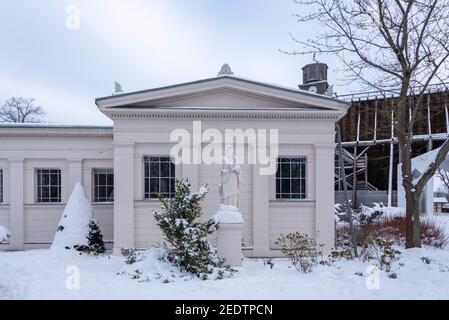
(141, 44)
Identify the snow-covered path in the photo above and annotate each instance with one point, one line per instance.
(40, 274)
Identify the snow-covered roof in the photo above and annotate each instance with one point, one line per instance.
(440, 200)
(50, 126)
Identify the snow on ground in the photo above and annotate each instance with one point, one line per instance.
(42, 274)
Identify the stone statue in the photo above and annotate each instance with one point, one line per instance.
(229, 186)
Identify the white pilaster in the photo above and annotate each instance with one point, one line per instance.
(261, 218)
(123, 196)
(16, 203)
(324, 179)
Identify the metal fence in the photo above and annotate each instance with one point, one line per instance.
(367, 197)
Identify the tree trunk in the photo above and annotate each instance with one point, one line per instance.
(412, 226)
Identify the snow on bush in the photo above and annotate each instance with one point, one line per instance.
(149, 265)
(4, 235)
(302, 250)
(77, 228)
(187, 246)
(388, 223)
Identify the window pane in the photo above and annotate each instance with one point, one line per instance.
(296, 171)
(45, 179)
(154, 169)
(154, 185)
(165, 185)
(101, 179)
(285, 170)
(110, 193)
(165, 169)
(296, 185)
(110, 179)
(285, 186)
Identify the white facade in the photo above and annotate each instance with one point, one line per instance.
(143, 122)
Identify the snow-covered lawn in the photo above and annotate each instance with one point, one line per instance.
(41, 274)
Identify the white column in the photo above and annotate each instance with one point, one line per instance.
(261, 218)
(75, 173)
(324, 195)
(123, 196)
(16, 203)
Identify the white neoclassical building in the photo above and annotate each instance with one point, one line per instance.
(121, 167)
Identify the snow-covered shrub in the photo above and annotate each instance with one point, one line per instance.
(78, 228)
(382, 252)
(390, 224)
(185, 234)
(4, 234)
(344, 248)
(130, 255)
(95, 244)
(300, 249)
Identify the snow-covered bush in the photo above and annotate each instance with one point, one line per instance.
(4, 234)
(78, 228)
(344, 248)
(130, 255)
(382, 252)
(95, 243)
(300, 249)
(187, 246)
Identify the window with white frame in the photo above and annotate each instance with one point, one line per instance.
(291, 178)
(1, 186)
(103, 185)
(159, 176)
(48, 185)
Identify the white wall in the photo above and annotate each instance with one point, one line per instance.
(33, 224)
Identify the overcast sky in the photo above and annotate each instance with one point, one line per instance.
(141, 44)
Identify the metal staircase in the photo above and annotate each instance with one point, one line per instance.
(357, 166)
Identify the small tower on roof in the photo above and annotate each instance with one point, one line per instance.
(314, 78)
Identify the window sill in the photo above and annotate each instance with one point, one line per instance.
(284, 201)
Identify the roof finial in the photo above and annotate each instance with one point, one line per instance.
(225, 70)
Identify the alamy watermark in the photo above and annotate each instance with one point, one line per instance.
(73, 19)
(72, 281)
(249, 146)
(372, 280)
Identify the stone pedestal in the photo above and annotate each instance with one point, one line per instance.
(229, 243)
(229, 235)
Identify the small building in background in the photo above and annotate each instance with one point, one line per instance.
(445, 207)
(439, 203)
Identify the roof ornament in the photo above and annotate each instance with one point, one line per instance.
(225, 70)
(117, 87)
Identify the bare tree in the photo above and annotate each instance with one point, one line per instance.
(21, 110)
(443, 175)
(386, 45)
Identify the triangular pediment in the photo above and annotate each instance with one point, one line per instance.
(226, 92)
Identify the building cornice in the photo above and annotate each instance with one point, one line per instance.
(261, 114)
(56, 132)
